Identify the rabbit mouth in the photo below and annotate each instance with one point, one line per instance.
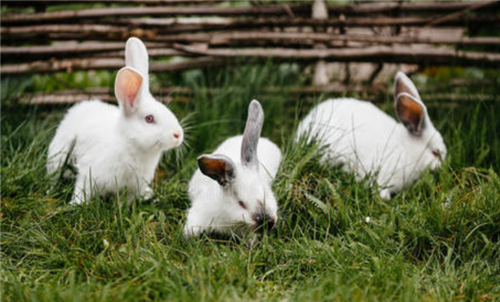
(435, 166)
(263, 226)
(167, 144)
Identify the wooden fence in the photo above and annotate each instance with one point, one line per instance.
(207, 33)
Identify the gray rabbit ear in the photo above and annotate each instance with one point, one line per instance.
(409, 108)
(218, 167)
(251, 135)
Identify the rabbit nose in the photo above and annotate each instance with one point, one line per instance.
(177, 134)
(264, 221)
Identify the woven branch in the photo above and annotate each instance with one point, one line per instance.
(285, 9)
(212, 57)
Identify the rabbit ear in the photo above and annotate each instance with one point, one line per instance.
(128, 83)
(218, 167)
(403, 84)
(251, 135)
(411, 113)
(409, 108)
(136, 56)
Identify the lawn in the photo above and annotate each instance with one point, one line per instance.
(437, 240)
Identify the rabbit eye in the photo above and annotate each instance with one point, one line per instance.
(150, 119)
(242, 204)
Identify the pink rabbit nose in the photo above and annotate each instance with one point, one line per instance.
(177, 134)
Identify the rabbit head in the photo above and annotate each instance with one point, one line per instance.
(145, 122)
(412, 113)
(248, 197)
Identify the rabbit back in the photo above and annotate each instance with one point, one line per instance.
(344, 124)
(86, 128)
(362, 139)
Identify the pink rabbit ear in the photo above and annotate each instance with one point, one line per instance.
(127, 86)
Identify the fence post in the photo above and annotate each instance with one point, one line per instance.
(320, 11)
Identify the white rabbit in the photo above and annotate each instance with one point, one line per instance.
(117, 147)
(232, 187)
(365, 140)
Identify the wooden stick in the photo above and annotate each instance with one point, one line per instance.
(402, 7)
(17, 3)
(62, 66)
(284, 10)
(226, 38)
(195, 24)
(212, 57)
(164, 48)
(371, 54)
(454, 16)
(61, 28)
(104, 64)
(86, 14)
(332, 21)
(109, 50)
(103, 94)
(269, 10)
(176, 25)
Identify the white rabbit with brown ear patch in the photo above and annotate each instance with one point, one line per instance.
(367, 141)
(232, 187)
(117, 147)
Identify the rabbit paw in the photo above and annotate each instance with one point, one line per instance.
(385, 194)
(148, 193)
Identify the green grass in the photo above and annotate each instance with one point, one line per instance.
(438, 240)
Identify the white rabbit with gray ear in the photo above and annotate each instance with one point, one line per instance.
(365, 140)
(114, 147)
(232, 187)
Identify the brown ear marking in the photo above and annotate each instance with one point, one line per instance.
(218, 169)
(411, 114)
(128, 85)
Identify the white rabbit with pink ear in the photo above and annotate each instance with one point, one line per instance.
(365, 140)
(117, 147)
(232, 187)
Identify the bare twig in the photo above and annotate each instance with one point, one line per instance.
(370, 54)
(363, 9)
(75, 15)
(104, 64)
(67, 50)
(104, 94)
(176, 25)
(454, 16)
(24, 3)
(219, 56)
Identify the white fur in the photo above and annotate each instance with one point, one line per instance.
(216, 208)
(114, 150)
(365, 140)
